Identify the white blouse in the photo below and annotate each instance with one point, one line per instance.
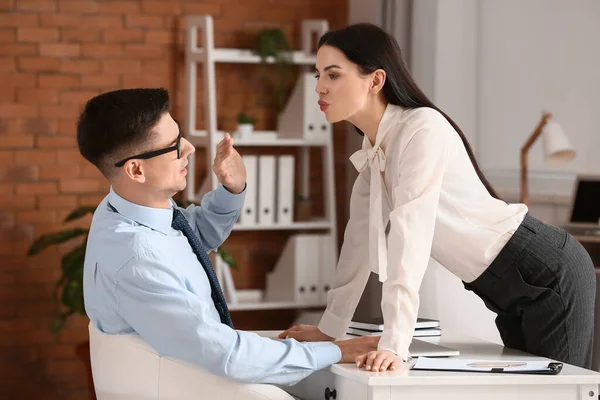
(418, 179)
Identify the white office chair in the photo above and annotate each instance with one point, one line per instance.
(125, 367)
(596, 354)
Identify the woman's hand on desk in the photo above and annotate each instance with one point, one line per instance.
(305, 333)
(380, 360)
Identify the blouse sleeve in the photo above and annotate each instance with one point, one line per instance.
(353, 270)
(415, 196)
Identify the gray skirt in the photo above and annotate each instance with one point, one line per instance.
(542, 286)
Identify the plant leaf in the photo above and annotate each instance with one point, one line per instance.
(72, 292)
(59, 321)
(79, 304)
(54, 238)
(72, 280)
(79, 212)
(72, 272)
(57, 324)
(270, 43)
(227, 257)
(75, 257)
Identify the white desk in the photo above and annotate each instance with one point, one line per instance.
(350, 383)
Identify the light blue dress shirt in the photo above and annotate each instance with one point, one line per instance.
(142, 277)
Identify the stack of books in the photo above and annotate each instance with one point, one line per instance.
(374, 327)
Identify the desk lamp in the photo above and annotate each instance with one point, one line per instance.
(557, 148)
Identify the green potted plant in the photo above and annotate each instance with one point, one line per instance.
(271, 43)
(70, 284)
(245, 126)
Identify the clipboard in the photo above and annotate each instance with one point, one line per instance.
(535, 367)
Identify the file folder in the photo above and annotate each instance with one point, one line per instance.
(295, 277)
(327, 265)
(248, 214)
(376, 323)
(285, 190)
(266, 190)
(416, 333)
(544, 367)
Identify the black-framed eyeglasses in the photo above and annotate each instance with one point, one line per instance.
(154, 153)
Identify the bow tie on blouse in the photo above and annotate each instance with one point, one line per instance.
(375, 159)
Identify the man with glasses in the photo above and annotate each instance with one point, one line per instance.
(146, 268)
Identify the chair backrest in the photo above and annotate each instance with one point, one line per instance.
(596, 353)
(125, 367)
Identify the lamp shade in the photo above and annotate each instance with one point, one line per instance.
(557, 147)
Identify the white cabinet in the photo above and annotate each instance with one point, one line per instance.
(325, 385)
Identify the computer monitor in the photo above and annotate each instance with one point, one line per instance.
(585, 206)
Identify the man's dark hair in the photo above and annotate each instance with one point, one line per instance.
(118, 124)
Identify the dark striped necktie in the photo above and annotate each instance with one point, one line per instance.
(181, 224)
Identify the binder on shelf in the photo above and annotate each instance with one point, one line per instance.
(266, 189)
(295, 277)
(302, 117)
(285, 190)
(228, 285)
(327, 265)
(248, 214)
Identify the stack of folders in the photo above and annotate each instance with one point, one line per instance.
(269, 190)
(374, 327)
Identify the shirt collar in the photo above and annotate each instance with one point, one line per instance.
(159, 219)
(387, 121)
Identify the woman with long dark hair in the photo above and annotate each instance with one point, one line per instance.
(421, 194)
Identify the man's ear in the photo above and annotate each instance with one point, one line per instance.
(134, 169)
(377, 81)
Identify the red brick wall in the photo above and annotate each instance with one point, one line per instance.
(56, 54)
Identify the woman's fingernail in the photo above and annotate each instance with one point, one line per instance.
(375, 369)
(367, 368)
(358, 364)
(393, 368)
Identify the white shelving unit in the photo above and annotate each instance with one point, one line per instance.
(208, 56)
(200, 138)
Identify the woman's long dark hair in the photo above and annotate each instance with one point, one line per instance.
(372, 48)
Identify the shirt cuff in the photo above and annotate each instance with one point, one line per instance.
(396, 343)
(228, 201)
(333, 326)
(326, 353)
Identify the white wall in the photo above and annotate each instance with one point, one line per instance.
(538, 55)
(444, 58)
(535, 55)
